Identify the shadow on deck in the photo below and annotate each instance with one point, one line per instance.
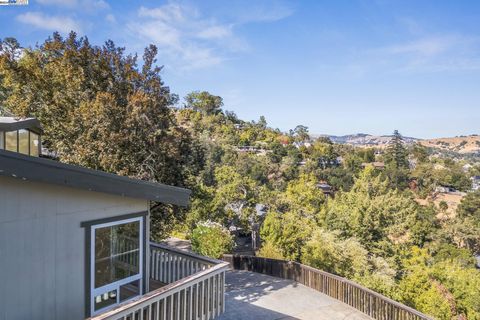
(256, 296)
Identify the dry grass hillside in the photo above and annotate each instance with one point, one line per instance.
(452, 200)
(464, 145)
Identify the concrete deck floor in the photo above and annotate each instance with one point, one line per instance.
(252, 296)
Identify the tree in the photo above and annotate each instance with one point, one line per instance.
(464, 231)
(99, 109)
(323, 154)
(262, 123)
(287, 231)
(445, 289)
(211, 240)
(396, 154)
(300, 133)
(204, 102)
(372, 212)
(443, 206)
(420, 152)
(326, 251)
(396, 161)
(303, 195)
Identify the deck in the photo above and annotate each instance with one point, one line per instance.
(251, 296)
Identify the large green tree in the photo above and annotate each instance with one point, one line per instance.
(396, 162)
(204, 102)
(99, 109)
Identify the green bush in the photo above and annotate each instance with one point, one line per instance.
(211, 239)
(269, 250)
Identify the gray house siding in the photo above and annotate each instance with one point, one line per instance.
(42, 246)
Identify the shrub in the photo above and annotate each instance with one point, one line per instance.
(269, 250)
(211, 239)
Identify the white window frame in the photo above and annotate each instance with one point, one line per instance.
(117, 284)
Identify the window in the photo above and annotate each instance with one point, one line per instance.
(116, 263)
(34, 144)
(11, 141)
(23, 141)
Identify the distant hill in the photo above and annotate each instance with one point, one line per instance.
(363, 139)
(460, 145)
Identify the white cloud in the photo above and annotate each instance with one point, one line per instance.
(431, 53)
(430, 46)
(192, 40)
(52, 23)
(215, 32)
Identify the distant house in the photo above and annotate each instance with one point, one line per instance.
(445, 189)
(466, 167)
(377, 165)
(326, 188)
(305, 144)
(252, 149)
(475, 183)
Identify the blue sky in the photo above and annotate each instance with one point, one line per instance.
(338, 67)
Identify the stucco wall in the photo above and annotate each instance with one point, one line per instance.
(42, 247)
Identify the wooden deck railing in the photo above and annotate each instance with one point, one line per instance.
(367, 301)
(168, 264)
(194, 290)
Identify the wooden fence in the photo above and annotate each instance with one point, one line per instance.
(367, 301)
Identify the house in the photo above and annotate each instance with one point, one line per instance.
(306, 144)
(377, 165)
(21, 135)
(475, 183)
(75, 243)
(326, 188)
(467, 167)
(449, 190)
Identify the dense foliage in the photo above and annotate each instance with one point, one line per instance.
(378, 224)
(211, 239)
(98, 108)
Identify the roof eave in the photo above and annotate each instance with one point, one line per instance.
(28, 168)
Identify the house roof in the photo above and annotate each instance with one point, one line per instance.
(28, 168)
(12, 124)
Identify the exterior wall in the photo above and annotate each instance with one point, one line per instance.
(42, 247)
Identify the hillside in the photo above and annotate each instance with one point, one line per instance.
(462, 144)
(363, 139)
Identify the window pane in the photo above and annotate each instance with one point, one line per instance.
(117, 253)
(130, 290)
(106, 299)
(23, 141)
(1, 140)
(34, 142)
(11, 141)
